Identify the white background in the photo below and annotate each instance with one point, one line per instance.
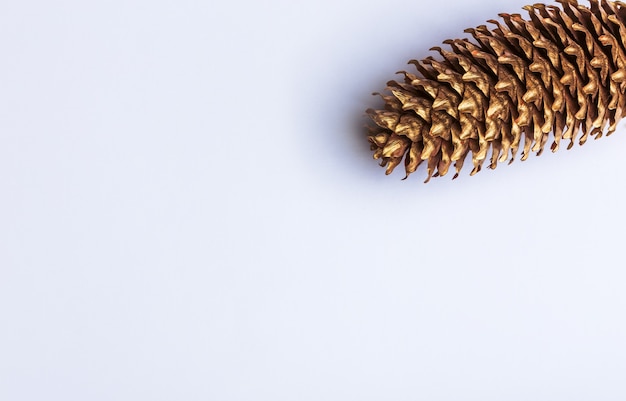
(190, 211)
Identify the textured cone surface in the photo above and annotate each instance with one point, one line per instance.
(520, 83)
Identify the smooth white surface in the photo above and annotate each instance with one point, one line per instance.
(190, 212)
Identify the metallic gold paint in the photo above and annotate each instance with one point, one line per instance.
(560, 72)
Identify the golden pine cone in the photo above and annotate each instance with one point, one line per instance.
(561, 71)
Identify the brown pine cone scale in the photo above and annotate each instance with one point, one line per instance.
(552, 76)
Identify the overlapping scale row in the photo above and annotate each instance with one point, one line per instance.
(520, 83)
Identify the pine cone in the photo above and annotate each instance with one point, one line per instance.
(560, 72)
